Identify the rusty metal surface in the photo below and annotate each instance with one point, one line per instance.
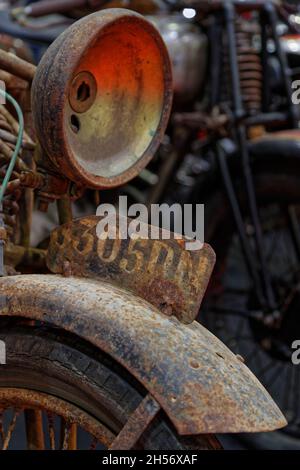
(32, 258)
(198, 382)
(16, 71)
(160, 271)
(34, 429)
(16, 66)
(108, 142)
(83, 92)
(16, 204)
(137, 424)
(23, 399)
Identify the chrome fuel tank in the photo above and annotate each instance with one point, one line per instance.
(188, 49)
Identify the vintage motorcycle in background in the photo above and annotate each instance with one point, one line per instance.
(238, 141)
(103, 350)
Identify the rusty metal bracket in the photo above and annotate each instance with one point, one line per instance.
(198, 382)
(137, 424)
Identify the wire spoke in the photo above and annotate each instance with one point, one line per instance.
(2, 435)
(47, 422)
(34, 430)
(10, 430)
(73, 437)
(94, 443)
(68, 432)
(65, 434)
(51, 430)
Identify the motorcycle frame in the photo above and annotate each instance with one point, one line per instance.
(225, 21)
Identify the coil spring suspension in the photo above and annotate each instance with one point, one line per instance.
(250, 67)
(8, 135)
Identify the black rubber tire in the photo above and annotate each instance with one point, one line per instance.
(277, 185)
(49, 360)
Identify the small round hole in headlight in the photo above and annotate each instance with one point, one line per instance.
(75, 124)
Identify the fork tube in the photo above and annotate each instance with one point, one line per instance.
(222, 160)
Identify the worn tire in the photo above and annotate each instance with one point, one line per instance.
(277, 185)
(51, 361)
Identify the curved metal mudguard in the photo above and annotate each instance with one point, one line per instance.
(200, 384)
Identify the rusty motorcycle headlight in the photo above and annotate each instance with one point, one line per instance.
(101, 98)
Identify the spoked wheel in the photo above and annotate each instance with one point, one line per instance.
(57, 392)
(48, 421)
(233, 313)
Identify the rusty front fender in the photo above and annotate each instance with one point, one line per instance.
(200, 384)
